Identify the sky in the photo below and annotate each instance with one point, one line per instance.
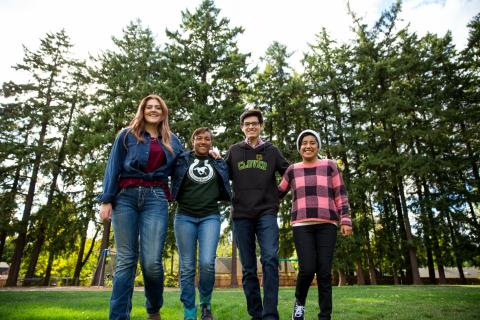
(92, 23)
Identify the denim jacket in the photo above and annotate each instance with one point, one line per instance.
(128, 158)
(181, 168)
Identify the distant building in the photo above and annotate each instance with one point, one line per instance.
(4, 267)
(223, 271)
(452, 273)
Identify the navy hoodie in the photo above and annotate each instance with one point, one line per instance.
(252, 171)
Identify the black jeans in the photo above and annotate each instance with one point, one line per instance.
(315, 245)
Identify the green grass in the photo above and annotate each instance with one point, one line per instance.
(353, 302)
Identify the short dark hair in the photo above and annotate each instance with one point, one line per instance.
(200, 131)
(251, 112)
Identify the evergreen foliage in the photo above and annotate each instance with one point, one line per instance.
(398, 112)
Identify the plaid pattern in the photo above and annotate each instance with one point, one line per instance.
(318, 192)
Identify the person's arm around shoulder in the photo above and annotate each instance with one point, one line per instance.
(214, 153)
(341, 200)
(285, 184)
(177, 144)
(222, 169)
(228, 161)
(179, 166)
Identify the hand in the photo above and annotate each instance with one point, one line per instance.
(214, 153)
(106, 211)
(345, 230)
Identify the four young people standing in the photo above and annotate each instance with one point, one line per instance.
(135, 194)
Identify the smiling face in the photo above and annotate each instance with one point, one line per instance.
(252, 128)
(152, 112)
(202, 142)
(309, 148)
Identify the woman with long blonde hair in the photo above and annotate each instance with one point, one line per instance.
(135, 197)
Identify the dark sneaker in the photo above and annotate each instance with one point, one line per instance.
(206, 313)
(298, 311)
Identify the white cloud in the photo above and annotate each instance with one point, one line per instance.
(92, 23)
(441, 16)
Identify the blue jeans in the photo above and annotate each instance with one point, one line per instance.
(189, 230)
(140, 220)
(265, 229)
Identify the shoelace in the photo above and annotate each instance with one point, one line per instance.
(299, 310)
(206, 312)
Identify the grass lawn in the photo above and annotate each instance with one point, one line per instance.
(353, 302)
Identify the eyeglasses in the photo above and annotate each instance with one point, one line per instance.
(252, 124)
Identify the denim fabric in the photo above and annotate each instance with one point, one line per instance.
(265, 229)
(315, 245)
(181, 168)
(128, 158)
(190, 314)
(188, 231)
(140, 221)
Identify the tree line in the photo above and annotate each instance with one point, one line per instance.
(398, 112)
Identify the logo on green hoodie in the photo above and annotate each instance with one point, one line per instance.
(249, 164)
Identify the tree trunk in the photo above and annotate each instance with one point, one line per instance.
(48, 270)
(21, 240)
(99, 275)
(3, 239)
(412, 250)
(369, 255)
(436, 245)
(470, 151)
(10, 206)
(360, 272)
(430, 265)
(80, 260)
(412, 267)
(426, 232)
(37, 247)
(233, 275)
(371, 267)
(474, 221)
(172, 254)
(342, 278)
(42, 226)
(392, 250)
(22, 234)
(395, 275)
(401, 225)
(458, 258)
(78, 264)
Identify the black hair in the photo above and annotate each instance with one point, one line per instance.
(252, 112)
(200, 131)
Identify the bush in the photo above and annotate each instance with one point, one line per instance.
(171, 280)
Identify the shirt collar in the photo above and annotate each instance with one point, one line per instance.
(259, 143)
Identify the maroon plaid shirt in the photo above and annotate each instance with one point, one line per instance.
(318, 192)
